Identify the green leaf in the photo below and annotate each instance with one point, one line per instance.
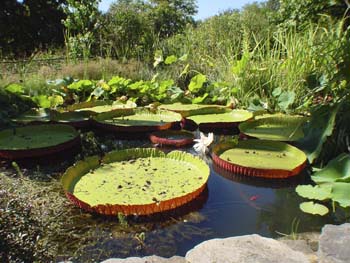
(318, 192)
(337, 170)
(56, 100)
(81, 85)
(313, 208)
(42, 101)
(15, 88)
(317, 130)
(170, 60)
(199, 100)
(286, 99)
(197, 82)
(276, 92)
(341, 194)
(98, 92)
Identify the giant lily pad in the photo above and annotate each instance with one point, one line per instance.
(173, 138)
(95, 107)
(36, 140)
(137, 120)
(74, 118)
(194, 109)
(34, 116)
(221, 120)
(275, 127)
(260, 158)
(135, 181)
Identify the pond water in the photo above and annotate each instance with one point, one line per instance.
(231, 206)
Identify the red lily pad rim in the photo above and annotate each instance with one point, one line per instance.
(42, 151)
(98, 121)
(139, 209)
(250, 171)
(162, 138)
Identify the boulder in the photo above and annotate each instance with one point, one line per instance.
(244, 249)
(334, 244)
(150, 259)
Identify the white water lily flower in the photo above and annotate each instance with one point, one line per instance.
(203, 142)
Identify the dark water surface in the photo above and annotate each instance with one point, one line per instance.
(231, 206)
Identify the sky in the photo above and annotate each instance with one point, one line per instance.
(206, 8)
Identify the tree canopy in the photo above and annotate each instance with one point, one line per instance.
(30, 24)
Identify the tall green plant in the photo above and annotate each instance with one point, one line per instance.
(81, 24)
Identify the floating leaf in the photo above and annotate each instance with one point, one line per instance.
(313, 208)
(337, 170)
(136, 181)
(318, 192)
(259, 158)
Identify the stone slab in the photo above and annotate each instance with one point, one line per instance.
(244, 249)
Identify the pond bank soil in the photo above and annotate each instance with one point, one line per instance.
(329, 246)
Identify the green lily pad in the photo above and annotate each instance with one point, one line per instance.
(74, 118)
(137, 120)
(275, 128)
(318, 192)
(193, 109)
(260, 158)
(34, 116)
(313, 208)
(95, 107)
(233, 116)
(24, 141)
(136, 181)
(337, 170)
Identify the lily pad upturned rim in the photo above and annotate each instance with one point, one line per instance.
(34, 116)
(84, 166)
(253, 171)
(295, 121)
(91, 107)
(194, 109)
(162, 137)
(77, 119)
(215, 124)
(13, 154)
(100, 120)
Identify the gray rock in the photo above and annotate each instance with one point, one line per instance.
(244, 249)
(301, 246)
(334, 244)
(150, 259)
